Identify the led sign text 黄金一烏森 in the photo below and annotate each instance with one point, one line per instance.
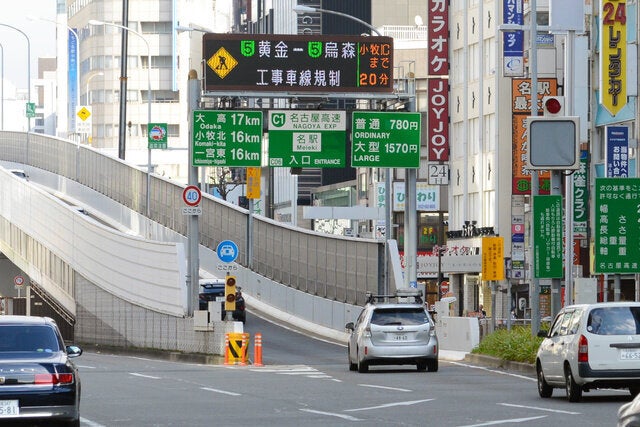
(267, 62)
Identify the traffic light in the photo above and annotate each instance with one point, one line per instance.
(554, 143)
(230, 293)
(553, 106)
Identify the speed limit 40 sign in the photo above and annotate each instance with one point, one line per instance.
(192, 198)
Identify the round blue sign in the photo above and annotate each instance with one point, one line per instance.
(227, 251)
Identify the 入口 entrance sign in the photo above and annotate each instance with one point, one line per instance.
(307, 139)
(268, 62)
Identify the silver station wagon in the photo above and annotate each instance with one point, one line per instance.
(393, 333)
(591, 346)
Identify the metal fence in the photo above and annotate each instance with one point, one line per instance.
(333, 267)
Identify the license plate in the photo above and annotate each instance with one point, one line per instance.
(630, 354)
(9, 408)
(400, 337)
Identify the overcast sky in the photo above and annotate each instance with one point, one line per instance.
(14, 45)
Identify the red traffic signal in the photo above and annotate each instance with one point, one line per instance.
(553, 105)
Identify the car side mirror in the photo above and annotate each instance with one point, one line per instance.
(543, 333)
(73, 351)
(350, 326)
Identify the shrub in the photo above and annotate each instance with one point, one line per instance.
(516, 345)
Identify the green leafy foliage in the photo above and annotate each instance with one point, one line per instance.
(516, 345)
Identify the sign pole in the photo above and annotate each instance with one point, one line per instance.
(193, 261)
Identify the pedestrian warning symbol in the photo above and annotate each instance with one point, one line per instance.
(222, 62)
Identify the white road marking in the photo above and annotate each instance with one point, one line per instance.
(512, 420)
(495, 371)
(540, 409)
(230, 393)
(389, 405)
(144, 376)
(385, 387)
(86, 367)
(86, 422)
(332, 414)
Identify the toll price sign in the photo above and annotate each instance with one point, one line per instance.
(385, 140)
(269, 62)
(227, 138)
(311, 139)
(617, 225)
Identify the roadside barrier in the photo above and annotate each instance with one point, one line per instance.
(257, 349)
(236, 345)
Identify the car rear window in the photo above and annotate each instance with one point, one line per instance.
(27, 339)
(614, 321)
(399, 316)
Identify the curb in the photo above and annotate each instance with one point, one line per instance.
(496, 363)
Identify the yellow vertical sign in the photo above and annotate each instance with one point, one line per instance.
(493, 258)
(253, 183)
(613, 55)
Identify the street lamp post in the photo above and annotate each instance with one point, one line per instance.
(77, 43)
(122, 27)
(28, 74)
(2, 86)
(300, 9)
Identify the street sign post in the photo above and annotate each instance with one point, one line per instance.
(385, 140)
(83, 125)
(312, 139)
(617, 226)
(157, 135)
(227, 138)
(547, 240)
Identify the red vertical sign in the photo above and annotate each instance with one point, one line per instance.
(438, 88)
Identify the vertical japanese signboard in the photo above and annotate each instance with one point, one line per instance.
(617, 226)
(438, 83)
(492, 258)
(73, 77)
(307, 139)
(522, 97)
(513, 41)
(547, 240)
(385, 140)
(613, 55)
(617, 151)
(227, 138)
(268, 62)
(581, 197)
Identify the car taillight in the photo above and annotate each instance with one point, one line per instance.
(54, 379)
(583, 349)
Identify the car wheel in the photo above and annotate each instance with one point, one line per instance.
(432, 365)
(574, 392)
(422, 366)
(544, 389)
(352, 366)
(634, 391)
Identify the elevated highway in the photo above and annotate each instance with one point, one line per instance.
(79, 229)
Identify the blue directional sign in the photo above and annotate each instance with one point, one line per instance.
(227, 251)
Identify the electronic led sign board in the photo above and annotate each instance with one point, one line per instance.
(271, 62)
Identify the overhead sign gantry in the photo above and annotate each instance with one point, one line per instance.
(272, 62)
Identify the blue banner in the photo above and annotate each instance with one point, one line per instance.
(617, 152)
(73, 79)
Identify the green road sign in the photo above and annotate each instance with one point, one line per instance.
(385, 140)
(30, 110)
(617, 225)
(157, 135)
(547, 241)
(307, 139)
(227, 138)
